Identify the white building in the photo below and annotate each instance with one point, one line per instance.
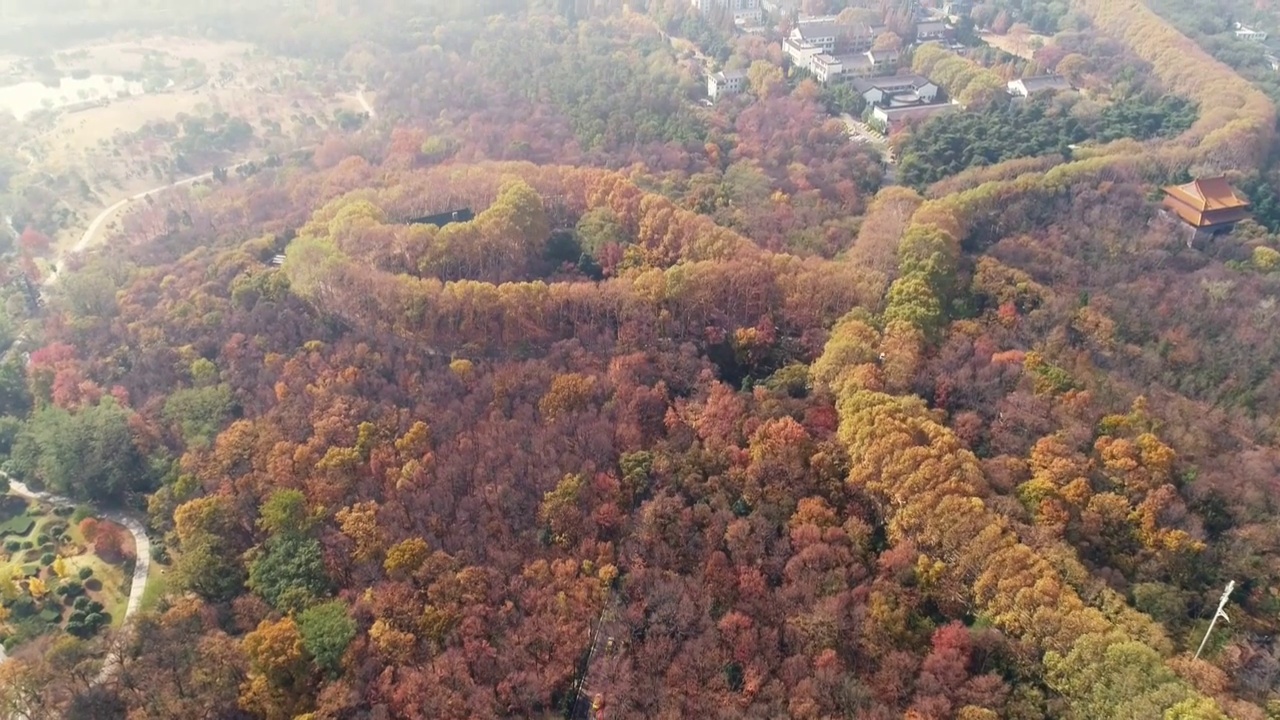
(726, 82)
(829, 69)
(897, 90)
(742, 10)
(1026, 87)
(1244, 32)
(891, 120)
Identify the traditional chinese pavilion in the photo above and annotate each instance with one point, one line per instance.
(1206, 204)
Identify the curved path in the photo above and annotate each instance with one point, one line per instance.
(100, 222)
(142, 551)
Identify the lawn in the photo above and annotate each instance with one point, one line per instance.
(157, 584)
(14, 520)
(51, 579)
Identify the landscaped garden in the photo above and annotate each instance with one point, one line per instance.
(61, 570)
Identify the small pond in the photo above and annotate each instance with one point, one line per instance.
(25, 98)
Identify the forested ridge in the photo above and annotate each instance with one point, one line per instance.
(694, 418)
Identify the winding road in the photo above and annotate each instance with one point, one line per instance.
(100, 222)
(142, 550)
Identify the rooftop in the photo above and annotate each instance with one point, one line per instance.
(914, 111)
(1044, 82)
(831, 27)
(1206, 202)
(824, 27)
(1208, 194)
(856, 59)
(891, 82)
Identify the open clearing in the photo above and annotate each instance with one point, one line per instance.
(1023, 45)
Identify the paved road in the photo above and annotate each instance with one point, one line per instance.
(142, 546)
(861, 132)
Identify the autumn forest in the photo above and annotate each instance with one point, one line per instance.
(707, 411)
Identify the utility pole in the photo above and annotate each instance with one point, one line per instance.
(1226, 595)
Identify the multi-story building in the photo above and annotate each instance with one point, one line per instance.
(828, 69)
(726, 82)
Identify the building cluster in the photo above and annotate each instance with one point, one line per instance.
(1270, 46)
(835, 52)
(893, 101)
(852, 53)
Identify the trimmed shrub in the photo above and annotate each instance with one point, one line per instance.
(12, 546)
(85, 573)
(81, 602)
(47, 559)
(23, 607)
(63, 511)
(70, 588)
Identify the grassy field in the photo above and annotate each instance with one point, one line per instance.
(1022, 45)
(157, 585)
